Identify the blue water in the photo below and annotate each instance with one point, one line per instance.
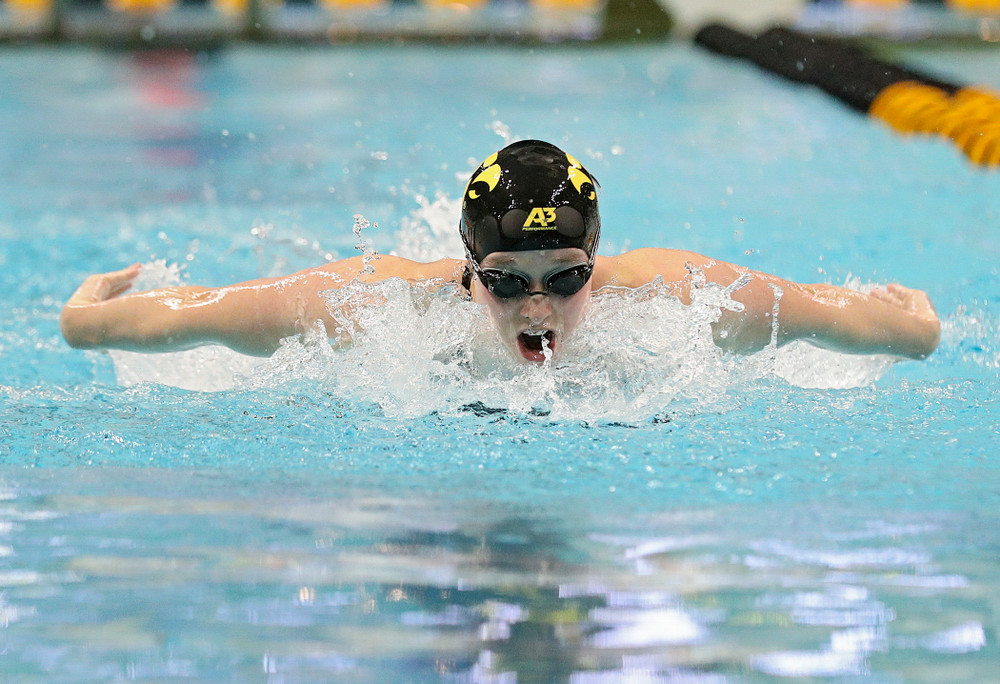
(803, 516)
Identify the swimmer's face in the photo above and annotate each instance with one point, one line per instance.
(539, 317)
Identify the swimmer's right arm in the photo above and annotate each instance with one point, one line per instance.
(100, 315)
(251, 318)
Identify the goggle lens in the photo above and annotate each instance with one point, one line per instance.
(570, 281)
(504, 284)
(508, 285)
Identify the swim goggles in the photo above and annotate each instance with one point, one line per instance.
(509, 285)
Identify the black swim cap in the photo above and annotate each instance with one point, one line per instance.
(530, 195)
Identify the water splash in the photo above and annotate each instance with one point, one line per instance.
(369, 254)
(158, 273)
(419, 349)
(206, 369)
(804, 365)
(416, 350)
(503, 130)
(428, 233)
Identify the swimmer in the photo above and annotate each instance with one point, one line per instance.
(530, 225)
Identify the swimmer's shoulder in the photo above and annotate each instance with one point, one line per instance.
(385, 266)
(639, 267)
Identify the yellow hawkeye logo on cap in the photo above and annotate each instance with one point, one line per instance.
(577, 176)
(490, 175)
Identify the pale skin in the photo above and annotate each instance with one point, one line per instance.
(254, 316)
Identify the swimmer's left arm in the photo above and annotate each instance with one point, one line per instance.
(891, 320)
(888, 320)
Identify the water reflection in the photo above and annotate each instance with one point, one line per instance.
(370, 588)
(166, 83)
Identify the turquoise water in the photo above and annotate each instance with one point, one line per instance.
(658, 512)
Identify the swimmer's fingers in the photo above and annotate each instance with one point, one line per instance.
(908, 321)
(912, 301)
(884, 294)
(903, 297)
(103, 286)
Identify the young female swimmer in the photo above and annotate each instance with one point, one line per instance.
(530, 225)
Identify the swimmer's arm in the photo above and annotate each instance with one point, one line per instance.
(892, 320)
(100, 315)
(889, 320)
(251, 317)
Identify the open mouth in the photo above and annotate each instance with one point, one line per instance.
(533, 343)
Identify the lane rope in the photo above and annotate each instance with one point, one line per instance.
(907, 100)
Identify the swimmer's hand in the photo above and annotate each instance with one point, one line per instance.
(82, 312)
(103, 286)
(914, 302)
(916, 306)
(102, 314)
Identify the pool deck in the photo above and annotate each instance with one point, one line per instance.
(498, 22)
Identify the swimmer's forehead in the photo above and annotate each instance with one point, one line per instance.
(541, 257)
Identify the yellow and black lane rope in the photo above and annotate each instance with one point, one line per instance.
(911, 102)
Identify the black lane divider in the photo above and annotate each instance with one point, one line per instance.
(909, 101)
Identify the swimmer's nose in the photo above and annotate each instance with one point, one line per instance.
(536, 308)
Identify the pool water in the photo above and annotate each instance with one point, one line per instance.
(414, 510)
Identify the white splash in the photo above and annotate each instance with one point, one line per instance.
(965, 638)
(429, 232)
(845, 656)
(503, 130)
(205, 369)
(804, 365)
(360, 225)
(418, 350)
(637, 629)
